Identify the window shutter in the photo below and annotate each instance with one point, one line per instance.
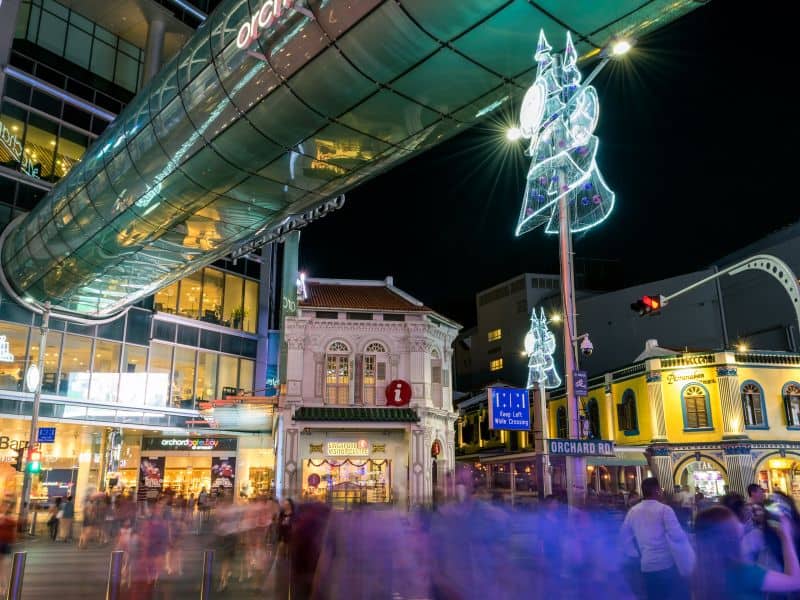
(446, 378)
(691, 413)
(758, 415)
(622, 417)
(359, 380)
(381, 373)
(787, 410)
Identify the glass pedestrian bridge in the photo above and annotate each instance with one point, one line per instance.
(273, 107)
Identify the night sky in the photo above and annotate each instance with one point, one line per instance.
(692, 140)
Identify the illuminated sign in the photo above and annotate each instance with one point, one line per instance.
(265, 18)
(14, 146)
(509, 409)
(5, 350)
(581, 447)
(349, 448)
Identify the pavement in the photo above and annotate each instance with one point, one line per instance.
(62, 571)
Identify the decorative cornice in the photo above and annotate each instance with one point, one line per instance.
(736, 449)
(295, 343)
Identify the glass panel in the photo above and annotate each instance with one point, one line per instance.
(207, 376)
(183, 378)
(51, 355)
(81, 22)
(103, 60)
(75, 364)
(79, 47)
(233, 300)
(138, 330)
(105, 373)
(228, 374)
(189, 303)
(71, 147)
(12, 124)
(370, 117)
(134, 375)
(33, 24)
(247, 370)
(105, 35)
(213, 284)
(22, 19)
(167, 299)
(13, 344)
(56, 8)
(54, 32)
(158, 375)
(250, 305)
(127, 72)
(40, 145)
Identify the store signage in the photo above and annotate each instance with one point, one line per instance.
(151, 478)
(690, 375)
(509, 409)
(194, 444)
(398, 393)
(581, 380)
(581, 447)
(7, 443)
(348, 448)
(5, 350)
(223, 473)
(46, 435)
(265, 18)
(14, 146)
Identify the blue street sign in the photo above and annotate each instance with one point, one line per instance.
(581, 380)
(509, 409)
(46, 435)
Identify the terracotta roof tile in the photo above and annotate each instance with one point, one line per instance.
(356, 297)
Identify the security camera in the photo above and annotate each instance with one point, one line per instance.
(586, 346)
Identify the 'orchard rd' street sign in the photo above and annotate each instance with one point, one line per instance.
(581, 447)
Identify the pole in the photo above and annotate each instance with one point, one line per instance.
(17, 576)
(114, 575)
(208, 572)
(37, 396)
(576, 465)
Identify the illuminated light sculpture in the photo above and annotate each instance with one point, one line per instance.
(559, 117)
(540, 344)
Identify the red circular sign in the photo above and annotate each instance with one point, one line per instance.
(398, 393)
(436, 448)
(313, 480)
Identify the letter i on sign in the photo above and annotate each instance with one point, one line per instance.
(397, 393)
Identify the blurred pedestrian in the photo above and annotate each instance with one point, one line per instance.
(65, 521)
(8, 536)
(53, 517)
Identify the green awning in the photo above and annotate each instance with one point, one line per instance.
(353, 413)
(621, 459)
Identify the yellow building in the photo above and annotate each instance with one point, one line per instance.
(705, 420)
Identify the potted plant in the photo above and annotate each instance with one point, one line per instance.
(237, 316)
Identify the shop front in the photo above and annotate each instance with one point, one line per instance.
(345, 468)
(702, 476)
(780, 473)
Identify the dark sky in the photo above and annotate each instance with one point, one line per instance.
(693, 140)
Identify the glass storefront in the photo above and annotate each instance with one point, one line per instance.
(781, 474)
(702, 476)
(347, 481)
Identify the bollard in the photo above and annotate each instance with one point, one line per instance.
(114, 575)
(17, 575)
(208, 573)
(33, 523)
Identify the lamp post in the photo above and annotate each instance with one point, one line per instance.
(37, 396)
(565, 191)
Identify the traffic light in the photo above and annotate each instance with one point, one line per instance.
(19, 465)
(647, 305)
(34, 461)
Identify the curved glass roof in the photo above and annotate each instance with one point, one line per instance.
(227, 141)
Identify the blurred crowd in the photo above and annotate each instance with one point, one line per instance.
(738, 547)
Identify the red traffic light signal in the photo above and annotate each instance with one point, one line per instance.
(648, 304)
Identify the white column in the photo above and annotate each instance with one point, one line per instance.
(638, 480)
(416, 475)
(82, 484)
(156, 30)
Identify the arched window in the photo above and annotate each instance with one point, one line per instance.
(593, 415)
(696, 407)
(755, 414)
(374, 374)
(561, 423)
(337, 373)
(627, 415)
(791, 403)
(436, 378)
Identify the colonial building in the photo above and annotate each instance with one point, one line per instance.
(706, 421)
(367, 415)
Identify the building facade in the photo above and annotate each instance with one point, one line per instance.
(367, 413)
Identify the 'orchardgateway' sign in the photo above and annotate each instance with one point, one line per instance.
(581, 447)
(265, 18)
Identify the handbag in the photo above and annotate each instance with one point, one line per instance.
(682, 552)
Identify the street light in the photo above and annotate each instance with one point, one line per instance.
(513, 134)
(620, 47)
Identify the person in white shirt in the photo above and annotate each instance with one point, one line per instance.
(651, 531)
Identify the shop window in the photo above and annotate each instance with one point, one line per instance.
(246, 375)
(791, 404)
(213, 283)
(207, 375)
(593, 416)
(755, 414)
(40, 145)
(627, 415)
(696, 407)
(183, 378)
(105, 372)
(166, 299)
(337, 374)
(228, 380)
(75, 366)
(374, 373)
(133, 379)
(158, 375)
(562, 431)
(234, 299)
(71, 148)
(250, 315)
(13, 357)
(190, 295)
(496, 364)
(494, 335)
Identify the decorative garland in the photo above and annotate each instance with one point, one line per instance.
(325, 461)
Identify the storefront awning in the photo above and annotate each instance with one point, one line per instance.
(620, 459)
(330, 413)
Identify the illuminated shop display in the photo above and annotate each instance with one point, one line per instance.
(559, 116)
(268, 111)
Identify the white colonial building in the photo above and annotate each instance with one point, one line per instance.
(367, 414)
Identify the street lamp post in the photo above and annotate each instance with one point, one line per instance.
(37, 396)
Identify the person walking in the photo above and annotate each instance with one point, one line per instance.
(8, 536)
(651, 531)
(54, 516)
(65, 522)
